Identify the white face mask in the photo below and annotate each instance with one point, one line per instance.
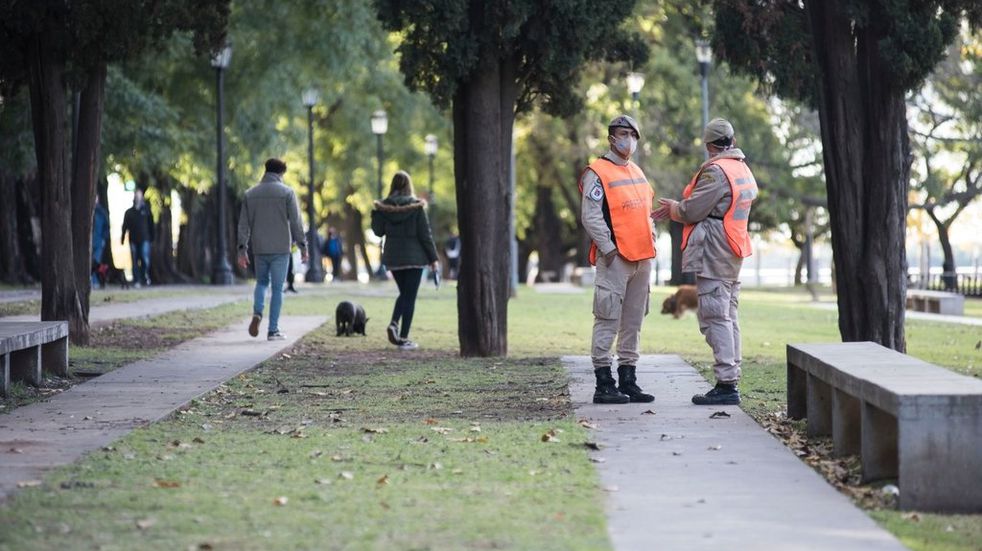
(627, 146)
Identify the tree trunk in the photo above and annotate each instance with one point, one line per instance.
(948, 278)
(548, 229)
(192, 243)
(867, 164)
(353, 237)
(11, 261)
(46, 69)
(483, 116)
(85, 166)
(29, 225)
(678, 276)
(162, 259)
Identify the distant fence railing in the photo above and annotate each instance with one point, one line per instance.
(964, 284)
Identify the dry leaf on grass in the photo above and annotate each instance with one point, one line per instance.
(586, 424)
(28, 483)
(280, 501)
(592, 446)
(383, 480)
(550, 436)
(143, 524)
(430, 421)
(375, 430)
(198, 440)
(442, 430)
(160, 483)
(346, 475)
(720, 415)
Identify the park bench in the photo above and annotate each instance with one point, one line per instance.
(907, 419)
(28, 347)
(935, 302)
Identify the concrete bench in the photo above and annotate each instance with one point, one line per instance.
(28, 347)
(907, 419)
(935, 302)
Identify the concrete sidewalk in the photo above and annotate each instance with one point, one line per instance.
(106, 314)
(685, 481)
(46, 435)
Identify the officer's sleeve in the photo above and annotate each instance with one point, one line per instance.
(708, 191)
(592, 212)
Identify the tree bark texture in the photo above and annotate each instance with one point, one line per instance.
(948, 277)
(867, 163)
(11, 261)
(483, 114)
(163, 268)
(548, 232)
(85, 165)
(46, 69)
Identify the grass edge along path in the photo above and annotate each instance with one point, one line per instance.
(336, 449)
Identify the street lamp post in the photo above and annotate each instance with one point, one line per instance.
(380, 125)
(430, 148)
(222, 273)
(315, 272)
(635, 82)
(704, 55)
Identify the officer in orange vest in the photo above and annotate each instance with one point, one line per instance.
(617, 201)
(715, 209)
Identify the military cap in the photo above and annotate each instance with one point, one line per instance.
(624, 121)
(716, 129)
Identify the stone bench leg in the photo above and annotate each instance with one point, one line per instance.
(54, 357)
(5, 375)
(797, 393)
(878, 449)
(25, 365)
(941, 460)
(845, 424)
(819, 406)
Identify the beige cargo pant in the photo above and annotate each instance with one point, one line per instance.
(620, 303)
(717, 313)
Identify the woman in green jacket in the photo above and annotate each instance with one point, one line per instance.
(401, 219)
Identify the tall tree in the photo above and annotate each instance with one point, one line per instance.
(490, 60)
(854, 60)
(72, 43)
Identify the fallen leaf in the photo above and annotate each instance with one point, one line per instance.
(251, 413)
(287, 356)
(647, 412)
(475, 429)
(457, 471)
(676, 453)
(198, 440)
(87, 418)
(913, 517)
(431, 421)
(383, 481)
(143, 524)
(315, 454)
(375, 430)
(347, 475)
(550, 436)
(586, 424)
(337, 458)
(28, 483)
(280, 501)
(611, 489)
(160, 483)
(665, 437)
(442, 430)
(592, 446)
(322, 481)
(720, 415)
(435, 466)
(715, 448)
(598, 460)
(18, 450)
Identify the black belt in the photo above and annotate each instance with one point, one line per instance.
(716, 217)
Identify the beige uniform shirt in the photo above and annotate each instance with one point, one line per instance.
(592, 213)
(707, 252)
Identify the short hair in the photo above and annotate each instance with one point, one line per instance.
(402, 184)
(275, 166)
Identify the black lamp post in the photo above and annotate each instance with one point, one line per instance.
(380, 125)
(635, 82)
(430, 147)
(315, 271)
(704, 55)
(222, 273)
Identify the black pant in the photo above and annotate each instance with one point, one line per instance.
(408, 282)
(336, 267)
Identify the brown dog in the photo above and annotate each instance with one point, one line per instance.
(685, 298)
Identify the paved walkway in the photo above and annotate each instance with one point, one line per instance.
(685, 481)
(50, 434)
(106, 314)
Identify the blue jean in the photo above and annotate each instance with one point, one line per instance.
(270, 271)
(140, 252)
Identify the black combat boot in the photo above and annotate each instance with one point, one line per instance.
(723, 394)
(627, 383)
(606, 392)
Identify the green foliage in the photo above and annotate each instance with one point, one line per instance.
(771, 39)
(443, 39)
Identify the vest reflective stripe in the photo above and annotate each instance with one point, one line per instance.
(743, 191)
(629, 198)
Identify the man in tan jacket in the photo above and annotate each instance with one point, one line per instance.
(715, 210)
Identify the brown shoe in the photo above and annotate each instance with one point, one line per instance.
(254, 326)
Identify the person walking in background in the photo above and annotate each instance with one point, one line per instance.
(138, 222)
(100, 237)
(452, 250)
(401, 219)
(270, 220)
(334, 249)
(615, 210)
(715, 209)
(290, 276)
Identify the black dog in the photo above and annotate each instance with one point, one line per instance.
(350, 318)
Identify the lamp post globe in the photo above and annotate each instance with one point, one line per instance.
(315, 271)
(704, 55)
(222, 270)
(635, 82)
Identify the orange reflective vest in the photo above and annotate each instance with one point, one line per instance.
(628, 199)
(743, 190)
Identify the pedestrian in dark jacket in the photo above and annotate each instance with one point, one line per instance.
(334, 249)
(100, 238)
(401, 219)
(138, 221)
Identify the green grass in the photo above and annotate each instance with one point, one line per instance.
(484, 495)
(99, 297)
(973, 307)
